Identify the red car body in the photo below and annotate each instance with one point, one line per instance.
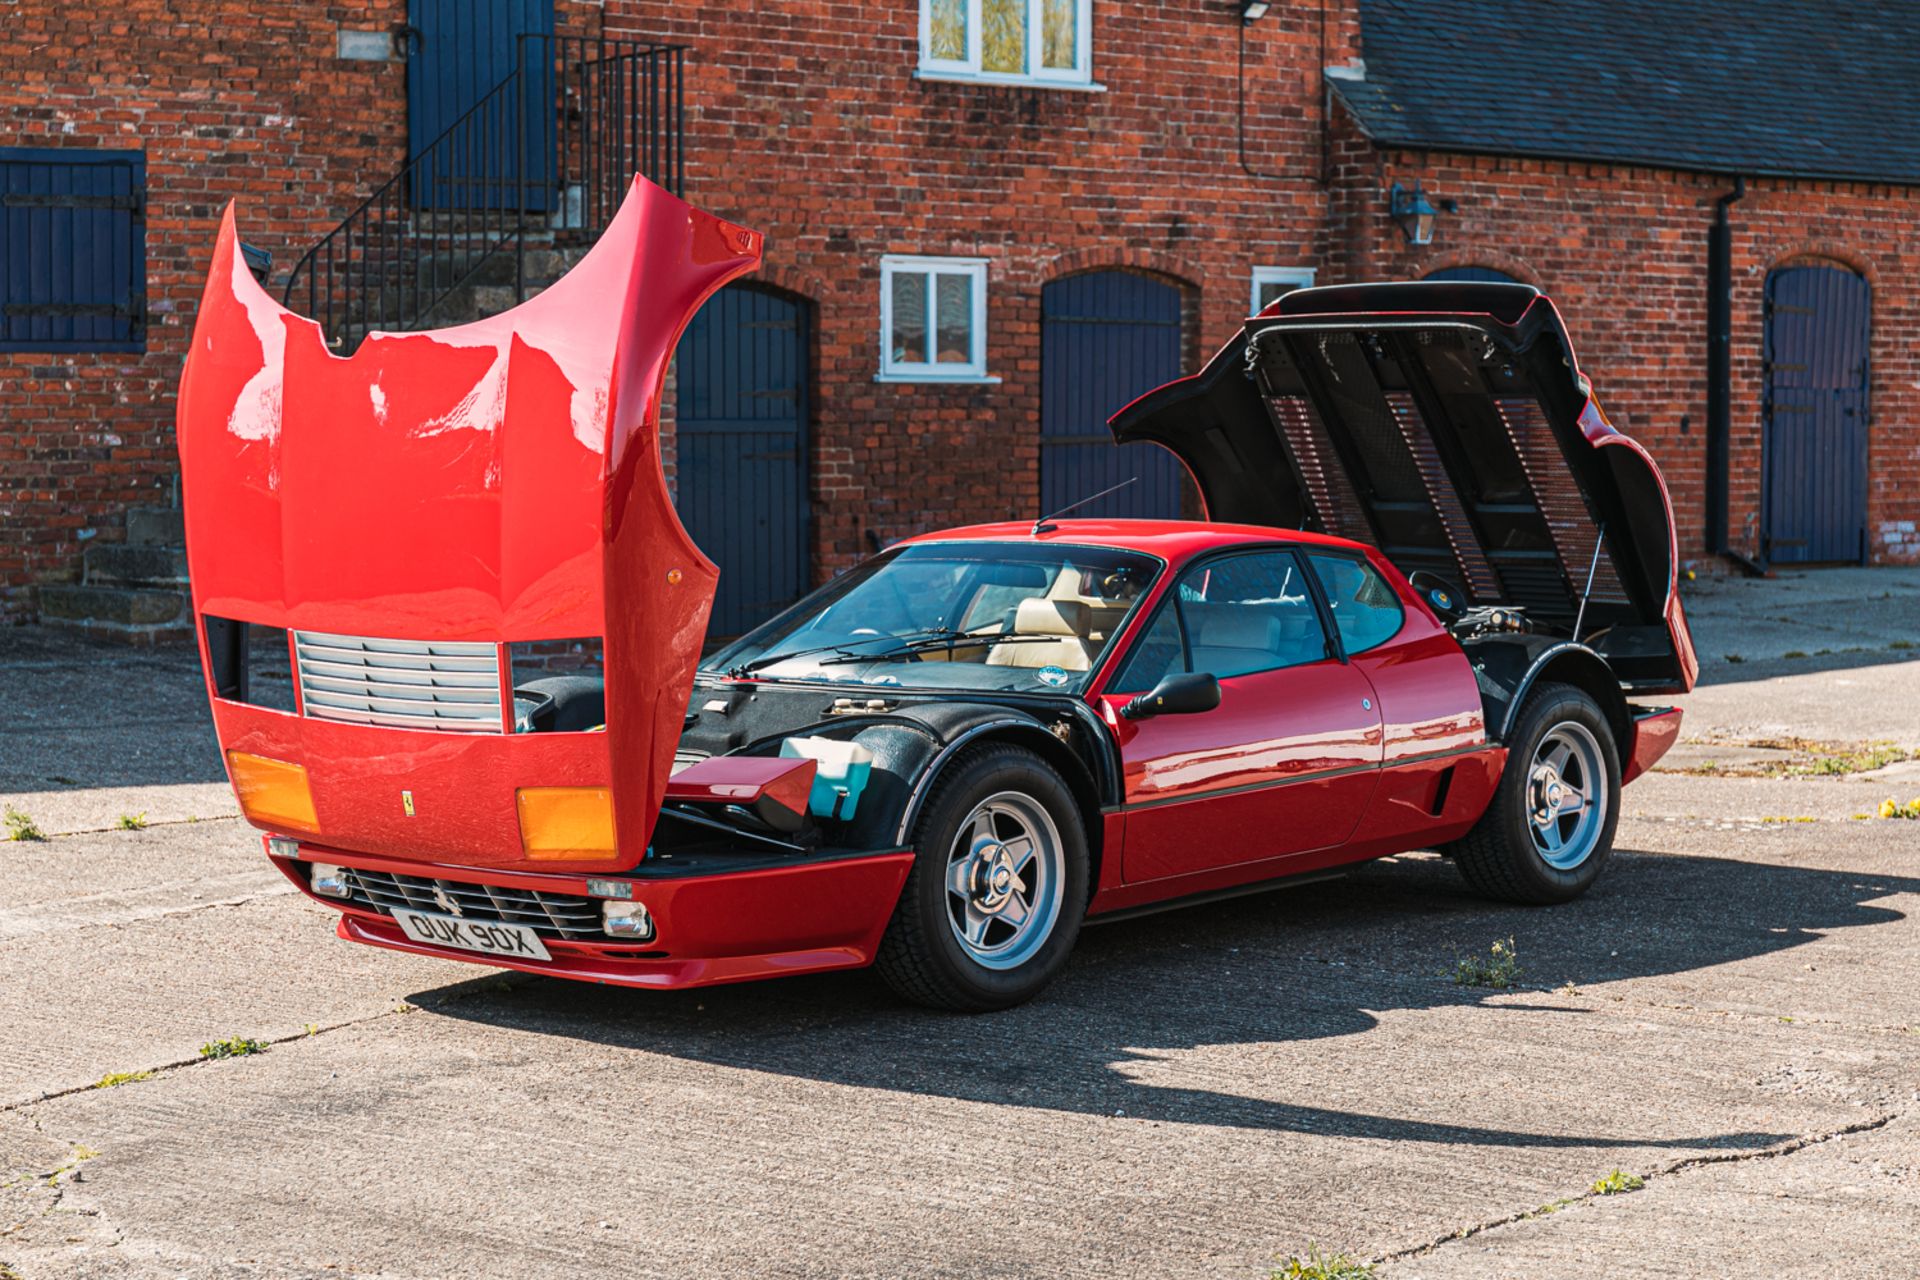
(456, 492)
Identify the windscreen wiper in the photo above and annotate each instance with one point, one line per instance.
(839, 646)
(949, 642)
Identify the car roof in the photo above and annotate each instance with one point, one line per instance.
(1171, 540)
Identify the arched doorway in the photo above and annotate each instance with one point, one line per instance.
(1814, 439)
(1105, 337)
(741, 431)
(1485, 275)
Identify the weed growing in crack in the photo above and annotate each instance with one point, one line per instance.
(1500, 970)
(1891, 809)
(1618, 1184)
(114, 1079)
(1322, 1266)
(232, 1047)
(20, 826)
(133, 821)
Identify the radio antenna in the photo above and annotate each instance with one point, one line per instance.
(1042, 525)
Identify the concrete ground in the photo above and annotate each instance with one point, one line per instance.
(1732, 1015)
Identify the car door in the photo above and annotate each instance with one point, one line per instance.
(1428, 695)
(1288, 761)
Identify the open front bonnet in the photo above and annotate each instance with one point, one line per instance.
(1449, 426)
(496, 482)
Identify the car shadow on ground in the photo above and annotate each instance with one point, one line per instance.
(1308, 964)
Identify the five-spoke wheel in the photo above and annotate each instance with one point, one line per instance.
(1003, 880)
(1548, 831)
(998, 887)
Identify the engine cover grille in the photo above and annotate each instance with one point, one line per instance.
(414, 684)
(552, 915)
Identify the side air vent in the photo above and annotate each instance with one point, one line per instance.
(412, 684)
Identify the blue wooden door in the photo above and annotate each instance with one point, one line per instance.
(1814, 499)
(461, 56)
(1105, 337)
(741, 427)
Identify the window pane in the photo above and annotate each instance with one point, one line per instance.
(953, 339)
(1157, 656)
(1250, 613)
(1060, 42)
(1271, 291)
(949, 30)
(1003, 36)
(1365, 606)
(909, 337)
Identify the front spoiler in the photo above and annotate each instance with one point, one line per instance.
(734, 927)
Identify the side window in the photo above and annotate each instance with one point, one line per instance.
(1365, 606)
(1249, 613)
(1159, 654)
(1237, 615)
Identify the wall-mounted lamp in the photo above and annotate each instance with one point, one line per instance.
(1415, 214)
(1252, 11)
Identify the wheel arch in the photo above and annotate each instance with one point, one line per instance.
(1508, 667)
(1019, 731)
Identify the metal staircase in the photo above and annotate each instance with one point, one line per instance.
(502, 201)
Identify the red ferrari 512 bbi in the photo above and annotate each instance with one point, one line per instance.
(1432, 578)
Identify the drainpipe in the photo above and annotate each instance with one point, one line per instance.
(1720, 376)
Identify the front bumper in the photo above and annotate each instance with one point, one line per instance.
(733, 927)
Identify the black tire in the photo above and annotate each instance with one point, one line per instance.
(1501, 858)
(922, 957)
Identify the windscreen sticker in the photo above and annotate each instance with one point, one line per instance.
(1054, 677)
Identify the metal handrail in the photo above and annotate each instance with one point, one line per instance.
(503, 168)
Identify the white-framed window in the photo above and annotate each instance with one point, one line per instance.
(933, 319)
(1045, 42)
(1270, 284)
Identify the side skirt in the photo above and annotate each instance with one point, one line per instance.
(1217, 895)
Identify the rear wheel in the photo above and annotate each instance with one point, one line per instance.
(998, 887)
(1547, 834)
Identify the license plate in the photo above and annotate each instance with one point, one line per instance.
(488, 937)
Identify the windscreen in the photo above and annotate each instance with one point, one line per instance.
(955, 615)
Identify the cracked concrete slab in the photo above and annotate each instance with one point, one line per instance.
(1846, 1203)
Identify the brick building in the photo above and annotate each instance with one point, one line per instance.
(989, 223)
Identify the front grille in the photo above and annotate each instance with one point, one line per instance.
(414, 684)
(551, 915)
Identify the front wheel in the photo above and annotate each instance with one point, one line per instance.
(1547, 834)
(998, 887)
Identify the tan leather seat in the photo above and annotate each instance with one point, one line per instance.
(1066, 619)
(1104, 614)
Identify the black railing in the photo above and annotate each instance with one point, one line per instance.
(551, 148)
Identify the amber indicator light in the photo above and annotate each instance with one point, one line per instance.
(272, 792)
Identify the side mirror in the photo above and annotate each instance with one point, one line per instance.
(1177, 695)
(1446, 600)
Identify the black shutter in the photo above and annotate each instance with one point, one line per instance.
(73, 264)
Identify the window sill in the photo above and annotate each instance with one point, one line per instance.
(1009, 82)
(941, 379)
